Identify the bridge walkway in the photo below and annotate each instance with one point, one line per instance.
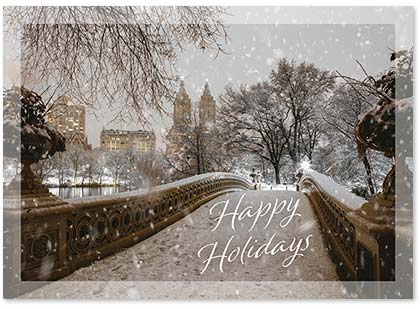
(172, 255)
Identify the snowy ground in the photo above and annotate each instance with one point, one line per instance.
(166, 265)
(284, 187)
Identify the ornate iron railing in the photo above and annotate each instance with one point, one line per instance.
(58, 240)
(339, 232)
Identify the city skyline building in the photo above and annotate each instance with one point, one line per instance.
(187, 115)
(70, 119)
(207, 107)
(182, 109)
(142, 141)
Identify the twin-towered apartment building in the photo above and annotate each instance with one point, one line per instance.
(183, 108)
(186, 117)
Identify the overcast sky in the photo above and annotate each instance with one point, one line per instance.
(294, 33)
(252, 53)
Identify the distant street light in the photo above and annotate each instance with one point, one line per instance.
(305, 165)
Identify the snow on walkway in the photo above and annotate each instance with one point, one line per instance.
(171, 255)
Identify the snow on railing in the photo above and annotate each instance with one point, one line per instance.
(80, 231)
(332, 203)
(346, 198)
(158, 189)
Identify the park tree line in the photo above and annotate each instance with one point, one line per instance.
(199, 147)
(299, 113)
(79, 167)
(277, 120)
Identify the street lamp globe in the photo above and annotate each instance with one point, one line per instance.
(305, 165)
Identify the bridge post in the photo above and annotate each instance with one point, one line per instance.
(375, 238)
(35, 246)
(366, 244)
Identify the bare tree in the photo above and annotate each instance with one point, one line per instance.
(341, 113)
(118, 54)
(61, 165)
(371, 95)
(100, 165)
(152, 169)
(116, 161)
(75, 155)
(89, 166)
(43, 168)
(224, 154)
(186, 154)
(301, 87)
(130, 175)
(311, 132)
(199, 147)
(257, 123)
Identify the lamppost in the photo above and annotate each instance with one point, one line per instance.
(254, 177)
(304, 166)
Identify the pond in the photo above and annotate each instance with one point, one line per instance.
(68, 193)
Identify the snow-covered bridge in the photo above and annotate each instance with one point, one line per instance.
(210, 227)
(171, 255)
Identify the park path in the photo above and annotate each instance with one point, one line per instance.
(149, 269)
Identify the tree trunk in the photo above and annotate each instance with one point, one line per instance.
(74, 177)
(277, 173)
(368, 169)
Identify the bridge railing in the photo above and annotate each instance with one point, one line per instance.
(332, 204)
(58, 240)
